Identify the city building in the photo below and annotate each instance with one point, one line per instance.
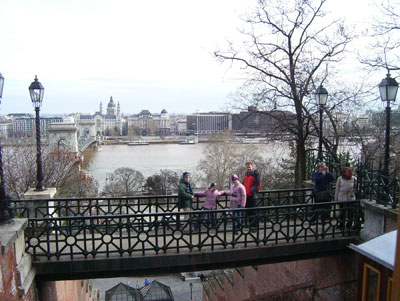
(148, 124)
(261, 123)
(109, 124)
(181, 127)
(6, 127)
(208, 123)
(24, 124)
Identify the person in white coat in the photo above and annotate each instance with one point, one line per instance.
(345, 191)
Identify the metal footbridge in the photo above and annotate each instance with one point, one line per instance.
(111, 237)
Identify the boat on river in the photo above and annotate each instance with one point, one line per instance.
(187, 142)
(134, 143)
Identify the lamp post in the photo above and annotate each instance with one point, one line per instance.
(191, 291)
(388, 91)
(5, 217)
(36, 90)
(321, 95)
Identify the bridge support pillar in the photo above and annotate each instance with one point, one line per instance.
(16, 272)
(378, 219)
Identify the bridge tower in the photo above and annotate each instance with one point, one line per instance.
(63, 136)
(86, 128)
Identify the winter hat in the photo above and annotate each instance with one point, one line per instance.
(212, 185)
(186, 174)
(234, 177)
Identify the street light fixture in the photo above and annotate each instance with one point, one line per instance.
(36, 90)
(388, 90)
(321, 95)
(5, 217)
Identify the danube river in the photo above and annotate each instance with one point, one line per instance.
(150, 159)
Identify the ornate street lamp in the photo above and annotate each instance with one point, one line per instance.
(5, 217)
(36, 90)
(321, 95)
(388, 90)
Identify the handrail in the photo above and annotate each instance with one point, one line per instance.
(140, 234)
(141, 204)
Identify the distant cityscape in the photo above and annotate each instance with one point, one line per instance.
(112, 122)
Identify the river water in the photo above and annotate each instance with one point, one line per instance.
(150, 159)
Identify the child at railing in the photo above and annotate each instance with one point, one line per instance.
(211, 194)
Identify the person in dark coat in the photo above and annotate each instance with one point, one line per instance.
(185, 194)
(322, 180)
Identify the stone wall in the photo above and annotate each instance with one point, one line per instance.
(327, 278)
(16, 272)
(378, 219)
(77, 290)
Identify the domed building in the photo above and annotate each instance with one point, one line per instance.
(109, 124)
(146, 124)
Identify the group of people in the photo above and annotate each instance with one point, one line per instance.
(345, 189)
(241, 196)
(244, 195)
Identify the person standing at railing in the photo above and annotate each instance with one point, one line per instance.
(211, 194)
(345, 191)
(238, 200)
(322, 179)
(185, 195)
(252, 183)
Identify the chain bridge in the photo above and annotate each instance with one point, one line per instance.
(111, 237)
(72, 137)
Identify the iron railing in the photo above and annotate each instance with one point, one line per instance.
(374, 185)
(140, 234)
(39, 208)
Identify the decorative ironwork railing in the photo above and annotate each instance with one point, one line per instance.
(374, 185)
(142, 204)
(139, 234)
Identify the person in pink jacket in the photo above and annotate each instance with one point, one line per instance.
(238, 198)
(211, 194)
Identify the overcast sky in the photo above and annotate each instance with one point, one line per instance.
(146, 54)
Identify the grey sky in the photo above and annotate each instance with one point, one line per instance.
(146, 54)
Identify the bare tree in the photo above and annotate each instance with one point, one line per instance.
(163, 183)
(78, 184)
(20, 167)
(383, 50)
(222, 158)
(124, 181)
(286, 50)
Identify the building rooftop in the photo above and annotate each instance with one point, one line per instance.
(380, 249)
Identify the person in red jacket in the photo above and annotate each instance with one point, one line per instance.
(252, 183)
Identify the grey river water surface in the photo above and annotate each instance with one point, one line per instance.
(150, 159)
